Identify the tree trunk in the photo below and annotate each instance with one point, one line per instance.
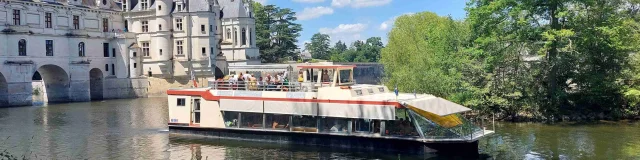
(552, 57)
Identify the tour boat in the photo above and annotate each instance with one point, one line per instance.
(324, 107)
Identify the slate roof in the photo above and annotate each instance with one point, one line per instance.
(233, 8)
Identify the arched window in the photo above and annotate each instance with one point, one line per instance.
(250, 37)
(104, 2)
(81, 49)
(22, 47)
(228, 33)
(235, 37)
(244, 36)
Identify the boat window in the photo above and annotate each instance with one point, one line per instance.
(277, 121)
(381, 89)
(345, 76)
(181, 102)
(445, 127)
(230, 119)
(370, 90)
(251, 120)
(334, 125)
(403, 126)
(304, 124)
(362, 125)
(359, 92)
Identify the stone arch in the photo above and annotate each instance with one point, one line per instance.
(96, 84)
(4, 88)
(56, 83)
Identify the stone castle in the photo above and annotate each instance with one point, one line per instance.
(100, 49)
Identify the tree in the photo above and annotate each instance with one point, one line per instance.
(319, 46)
(276, 32)
(572, 52)
(425, 53)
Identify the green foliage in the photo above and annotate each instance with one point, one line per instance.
(319, 46)
(434, 61)
(276, 32)
(535, 58)
(360, 51)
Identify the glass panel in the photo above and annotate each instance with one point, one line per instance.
(362, 125)
(403, 126)
(334, 125)
(277, 121)
(196, 117)
(230, 118)
(345, 76)
(304, 124)
(251, 120)
(432, 130)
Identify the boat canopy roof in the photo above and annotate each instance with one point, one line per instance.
(327, 66)
(261, 68)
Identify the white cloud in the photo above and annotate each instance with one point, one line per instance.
(261, 1)
(309, 1)
(315, 12)
(359, 3)
(386, 25)
(345, 32)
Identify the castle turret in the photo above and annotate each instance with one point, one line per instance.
(162, 38)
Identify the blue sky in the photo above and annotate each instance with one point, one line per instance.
(350, 20)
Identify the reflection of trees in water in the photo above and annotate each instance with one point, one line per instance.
(563, 141)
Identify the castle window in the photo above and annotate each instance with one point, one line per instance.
(106, 67)
(159, 27)
(104, 2)
(250, 37)
(144, 4)
(179, 6)
(210, 28)
(202, 28)
(105, 24)
(47, 20)
(235, 37)
(113, 52)
(145, 49)
(179, 47)
(244, 36)
(49, 47)
(145, 26)
(113, 69)
(204, 51)
(124, 5)
(179, 24)
(22, 47)
(105, 49)
(76, 22)
(81, 49)
(159, 7)
(16, 17)
(228, 33)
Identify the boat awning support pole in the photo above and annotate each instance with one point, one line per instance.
(415, 123)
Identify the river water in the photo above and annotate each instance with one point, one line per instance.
(136, 129)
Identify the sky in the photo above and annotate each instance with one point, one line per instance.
(351, 20)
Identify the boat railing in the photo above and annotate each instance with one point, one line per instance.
(263, 86)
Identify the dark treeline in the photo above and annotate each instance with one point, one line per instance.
(524, 59)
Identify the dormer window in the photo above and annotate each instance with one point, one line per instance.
(124, 5)
(144, 4)
(179, 6)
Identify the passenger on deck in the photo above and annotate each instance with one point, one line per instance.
(325, 76)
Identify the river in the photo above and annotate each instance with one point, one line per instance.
(136, 129)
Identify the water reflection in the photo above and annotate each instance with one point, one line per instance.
(136, 129)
